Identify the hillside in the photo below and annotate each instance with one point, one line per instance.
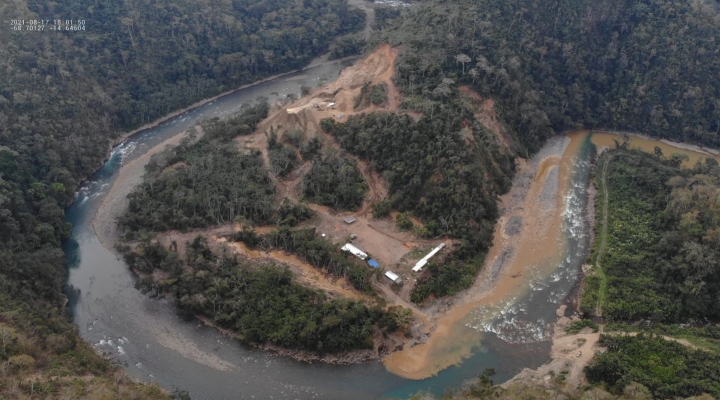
(644, 66)
(426, 142)
(66, 96)
(301, 179)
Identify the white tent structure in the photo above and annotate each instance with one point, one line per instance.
(357, 252)
(393, 276)
(420, 264)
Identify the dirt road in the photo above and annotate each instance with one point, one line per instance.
(603, 240)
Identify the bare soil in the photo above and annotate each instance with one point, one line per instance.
(504, 273)
(393, 249)
(379, 238)
(570, 355)
(486, 114)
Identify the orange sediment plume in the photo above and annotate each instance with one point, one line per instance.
(536, 247)
(694, 153)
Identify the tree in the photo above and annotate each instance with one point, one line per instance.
(464, 59)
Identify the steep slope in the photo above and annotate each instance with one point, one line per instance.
(648, 66)
(65, 95)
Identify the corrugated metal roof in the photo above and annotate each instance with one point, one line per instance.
(359, 253)
(424, 260)
(393, 276)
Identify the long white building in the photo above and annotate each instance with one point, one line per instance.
(420, 264)
(357, 252)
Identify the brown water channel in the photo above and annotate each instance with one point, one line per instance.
(529, 272)
(500, 303)
(505, 328)
(694, 153)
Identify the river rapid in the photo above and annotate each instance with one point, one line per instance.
(153, 344)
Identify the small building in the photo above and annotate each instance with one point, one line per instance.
(393, 276)
(349, 220)
(373, 263)
(420, 264)
(354, 250)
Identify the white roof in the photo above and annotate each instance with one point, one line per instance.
(359, 253)
(393, 276)
(418, 266)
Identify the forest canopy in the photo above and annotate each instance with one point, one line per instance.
(65, 96)
(262, 302)
(447, 169)
(646, 66)
(662, 259)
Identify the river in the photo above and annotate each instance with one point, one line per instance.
(154, 344)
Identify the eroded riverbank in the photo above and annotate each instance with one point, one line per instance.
(540, 241)
(527, 246)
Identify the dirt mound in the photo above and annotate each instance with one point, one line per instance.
(378, 66)
(336, 100)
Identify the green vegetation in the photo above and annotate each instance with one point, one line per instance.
(347, 45)
(294, 137)
(335, 181)
(283, 159)
(262, 303)
(444, 173)
(309, 149)
(381, 209)
(577, 326)
(386, 17)
(703, 336)
(65, 95)
(316, 251)
(214, 184)
(668, 369)
(662, 261)
(660, 265)
(403, 222)
(41, 356)
(550, 66)
(553, 66)
(591, 292)
(371, 94)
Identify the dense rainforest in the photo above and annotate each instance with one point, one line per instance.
(656, 270)
(662, 256)
(335, 181)
(438, 168)
(65, 95)
(204, 181)
(262, 303)
(649, 66)
(645, 66)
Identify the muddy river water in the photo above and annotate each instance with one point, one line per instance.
(507, 330)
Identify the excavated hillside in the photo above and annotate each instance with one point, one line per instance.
(336, 99)
(394, 249)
